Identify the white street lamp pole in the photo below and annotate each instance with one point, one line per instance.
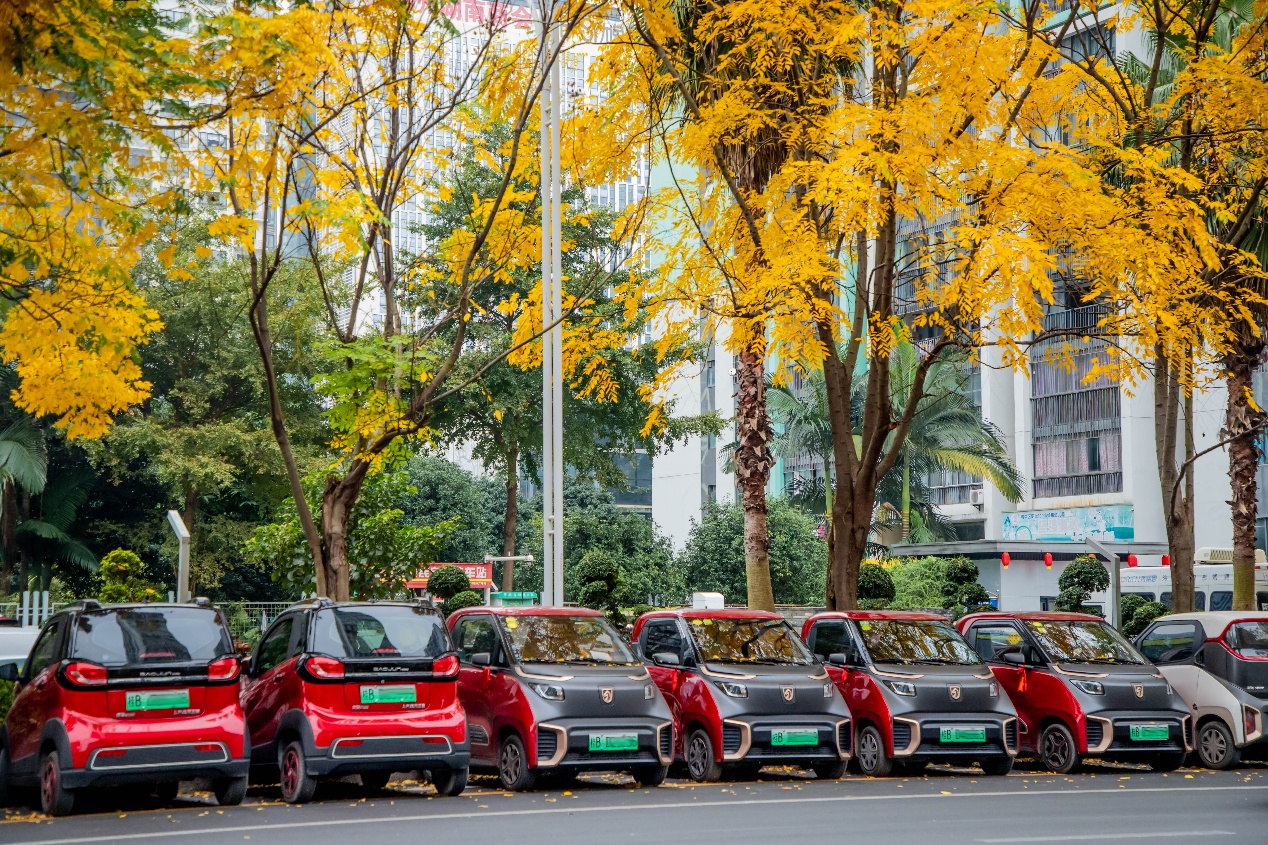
(552, 308)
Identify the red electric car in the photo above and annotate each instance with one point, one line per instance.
(364, 688)
(1081, 689)
(745, 692)
(126, 694)
(917, 692)
(557, 691)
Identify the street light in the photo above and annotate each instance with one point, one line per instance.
(182, 569)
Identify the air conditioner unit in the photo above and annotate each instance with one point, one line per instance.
(977, 498)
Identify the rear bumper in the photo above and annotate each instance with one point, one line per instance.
(565, 744)
(919, 737)
(750, 739)
(156, 764)
(418, 752)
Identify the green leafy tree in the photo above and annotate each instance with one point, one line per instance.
(447, 581)
(961, 593)
(876, 587)
(1084, 575)
(23, 474)
(918, 583)
(599, 577)
(445, 491)
(713, 559)
(121, 579)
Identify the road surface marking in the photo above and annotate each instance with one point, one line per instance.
(638, 808)
(1100, 837)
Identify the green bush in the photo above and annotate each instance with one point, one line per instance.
(917, 583)
(599, 578)
(1127, 608)
(961, 593)
(466, 598)
(876, 587)
(6, 697)
(120, 581)
(448, 581)
(1085, 575)
(1146, 613)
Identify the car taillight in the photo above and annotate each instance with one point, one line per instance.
(224, 669)
(445, 667)
(86, 674)
(325, 668)
(1250, 719)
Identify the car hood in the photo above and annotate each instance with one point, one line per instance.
(944, 689)
(593, 691)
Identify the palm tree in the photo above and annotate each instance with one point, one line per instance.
(23, 473)
(44, 539)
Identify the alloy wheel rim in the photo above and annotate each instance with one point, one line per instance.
(696, 756)
(290, 773)
(1213, 745)
(869, 751)
(510, 763)
(48, 787)
(1055, 750)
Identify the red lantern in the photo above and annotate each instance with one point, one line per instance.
(1131, 560)
(1005, 558)
(1047, 559)
(1166, 560)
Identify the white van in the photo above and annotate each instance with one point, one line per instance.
(1212, 585)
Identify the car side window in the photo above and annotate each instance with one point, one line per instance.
(1170, 642)
(299, 635)
(661, 637)
(1199, 600)
(45, 653)
(275, 646)
(476, 635)
(830, 638)
(1222, 600)
(989, 640)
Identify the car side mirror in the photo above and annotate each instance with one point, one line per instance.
(666, 658)
(482, 658)
(838, 659)
(1016, 658)
(10, 672)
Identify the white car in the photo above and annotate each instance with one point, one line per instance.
(15, 644)
(1218, 663)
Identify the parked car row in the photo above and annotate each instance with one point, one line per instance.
(154, 694)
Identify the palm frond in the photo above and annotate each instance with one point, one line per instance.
(24, 455)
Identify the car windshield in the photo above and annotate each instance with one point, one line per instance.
(911, 641)
(1083, 642)
(565, 639)
(1248, 639)
(378, 631)
(722, 640)
(130, 636)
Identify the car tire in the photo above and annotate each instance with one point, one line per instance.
(1216, 748)
(230, 792)
(913, 769)
(6, 793)
(829, 771)
(513, 768)
(996, 767)
(449, 783)
(1166, 761)
(869, 751)
(297, 785)
(167, 792)
(55, 798)
(702, 767)
(651, 775)
(375, 780)
(1057, 750)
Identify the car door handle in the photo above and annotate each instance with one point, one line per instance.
(277, 679)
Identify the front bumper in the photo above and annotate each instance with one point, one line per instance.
(919, 736)
(1108, 733)
(749, 739)
(565, 744)
(136, 764)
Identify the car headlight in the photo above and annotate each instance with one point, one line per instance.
(649, 691)
(1090, 687)
(902, 687)
(550, 692)
(827, 690)
(733, 690)
(994, 690)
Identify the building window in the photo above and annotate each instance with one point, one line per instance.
(711, 493)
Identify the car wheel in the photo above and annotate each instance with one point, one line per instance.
(1057, 751)
(830, 771)
(651, 775)
(701, 765)
(297, 785)
(229, 791)
(869, 751)
(55, 798)
(1216, 749)
(375, 780)
(1167, 761)
(450, 782)
(5, 792)
(996, 766)
(513, 768)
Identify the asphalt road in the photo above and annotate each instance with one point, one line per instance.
(1107, 805)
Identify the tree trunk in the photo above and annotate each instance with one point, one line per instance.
(337, 502)
(753, 463)
(508, 522)
(1242, 425)
(906, 496)
(1173, 414)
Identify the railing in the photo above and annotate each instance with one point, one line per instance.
(1086, 484)
(248, 619)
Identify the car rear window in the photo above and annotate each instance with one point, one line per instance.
(150, 635)
(1248, 639)
(378, 631)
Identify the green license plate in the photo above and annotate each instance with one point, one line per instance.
(1145, 733)
(613, 742)
(164, 699)
(786, 738)
(394, 694)
(962, 734)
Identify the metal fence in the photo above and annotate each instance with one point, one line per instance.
(248, 619)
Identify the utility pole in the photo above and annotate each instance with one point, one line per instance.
(552, 308)
(182, 570)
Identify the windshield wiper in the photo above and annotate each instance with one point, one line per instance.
(1107, 661)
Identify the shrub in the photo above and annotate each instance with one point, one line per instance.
(599, 577)
(917, 583)
(1146, 613)
(961, 593)
(466, 598)
(1127, 608)
(6, 697)
(120, 581)
(448, 581)
(1085, 575)
(876, 587)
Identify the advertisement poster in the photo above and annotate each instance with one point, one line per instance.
(1113, 523)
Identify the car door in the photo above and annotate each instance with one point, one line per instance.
(263, 692)
(36, 698)
(833, 636)
(476, 684)
(664, 636)
(1172, 647)
(991, 638)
